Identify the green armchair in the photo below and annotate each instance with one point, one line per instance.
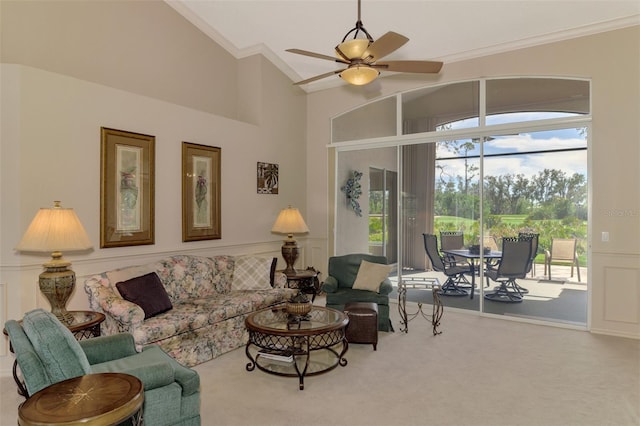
(47, 353)
(341, 275)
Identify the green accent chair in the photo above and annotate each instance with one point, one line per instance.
(341, 275)
(48, 353)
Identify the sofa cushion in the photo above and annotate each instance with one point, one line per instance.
(124, 274)
(251, 273)
(147, 292)
(186, 277)
(370, 276)
(191, 315)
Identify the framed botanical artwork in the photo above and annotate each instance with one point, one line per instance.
(200, 192)
(127, 177)
(267, 178)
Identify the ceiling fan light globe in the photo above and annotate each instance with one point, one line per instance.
(359, 75)
(353, 49)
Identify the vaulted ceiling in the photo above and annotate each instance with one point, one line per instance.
(448, 31)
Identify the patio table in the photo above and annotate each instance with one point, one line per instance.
(471, 258)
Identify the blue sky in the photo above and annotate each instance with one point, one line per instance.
(570, 162)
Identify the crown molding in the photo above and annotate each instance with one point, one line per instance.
(539, 40)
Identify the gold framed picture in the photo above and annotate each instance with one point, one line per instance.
(127, 179)
(200, 192)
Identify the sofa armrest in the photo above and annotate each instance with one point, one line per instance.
(107, 348)
(279, 280)
(330, 285)
(129, 316)
(386, 287)
(187, 378)
(153, 376)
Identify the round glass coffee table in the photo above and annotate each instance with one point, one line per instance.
(294, 346)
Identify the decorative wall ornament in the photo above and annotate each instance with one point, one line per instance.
(353, 190)
(267, 178)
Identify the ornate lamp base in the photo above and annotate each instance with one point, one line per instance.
(290, 254)
(57, 283)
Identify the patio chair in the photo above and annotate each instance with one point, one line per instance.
(453, 271)
(563, 250)
(516, 255)
(534, 251)
(454, 240)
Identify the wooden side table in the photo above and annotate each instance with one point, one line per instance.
(306, 280)
(100, 399)
(85, 324)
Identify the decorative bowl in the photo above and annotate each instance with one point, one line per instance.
(475, 249)
(298, 308)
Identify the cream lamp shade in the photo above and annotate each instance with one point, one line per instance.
(54, 230)
(290, 222)
(354, 48)
(359, 72)
(359, 75)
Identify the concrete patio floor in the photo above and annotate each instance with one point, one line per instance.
(562, 299)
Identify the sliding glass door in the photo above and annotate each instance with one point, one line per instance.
(516, 166)
(366, 207)
(383, 230)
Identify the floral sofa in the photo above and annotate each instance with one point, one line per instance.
(203, 302)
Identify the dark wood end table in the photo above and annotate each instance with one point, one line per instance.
(86, 324)
(100, 399)
(306, 280)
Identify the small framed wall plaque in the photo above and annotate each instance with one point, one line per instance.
(267, 178)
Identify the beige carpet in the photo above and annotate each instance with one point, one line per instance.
(480, 371)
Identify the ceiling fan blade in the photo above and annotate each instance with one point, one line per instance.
(383, 46)
(427, 67)
(317, 55)
(318, 77)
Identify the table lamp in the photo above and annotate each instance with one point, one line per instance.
(55, 230)
(290, 222)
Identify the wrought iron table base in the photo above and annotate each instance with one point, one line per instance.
(300, 348)
(436, 312)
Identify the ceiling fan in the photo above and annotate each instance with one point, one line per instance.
(361, 54)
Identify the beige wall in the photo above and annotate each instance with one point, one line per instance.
(612, 61)
(142, 47)
(53, 104)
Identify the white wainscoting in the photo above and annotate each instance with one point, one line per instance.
(615, 287)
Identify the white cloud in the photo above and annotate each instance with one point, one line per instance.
(526, 142)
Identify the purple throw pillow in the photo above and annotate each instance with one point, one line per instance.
(147, 292)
